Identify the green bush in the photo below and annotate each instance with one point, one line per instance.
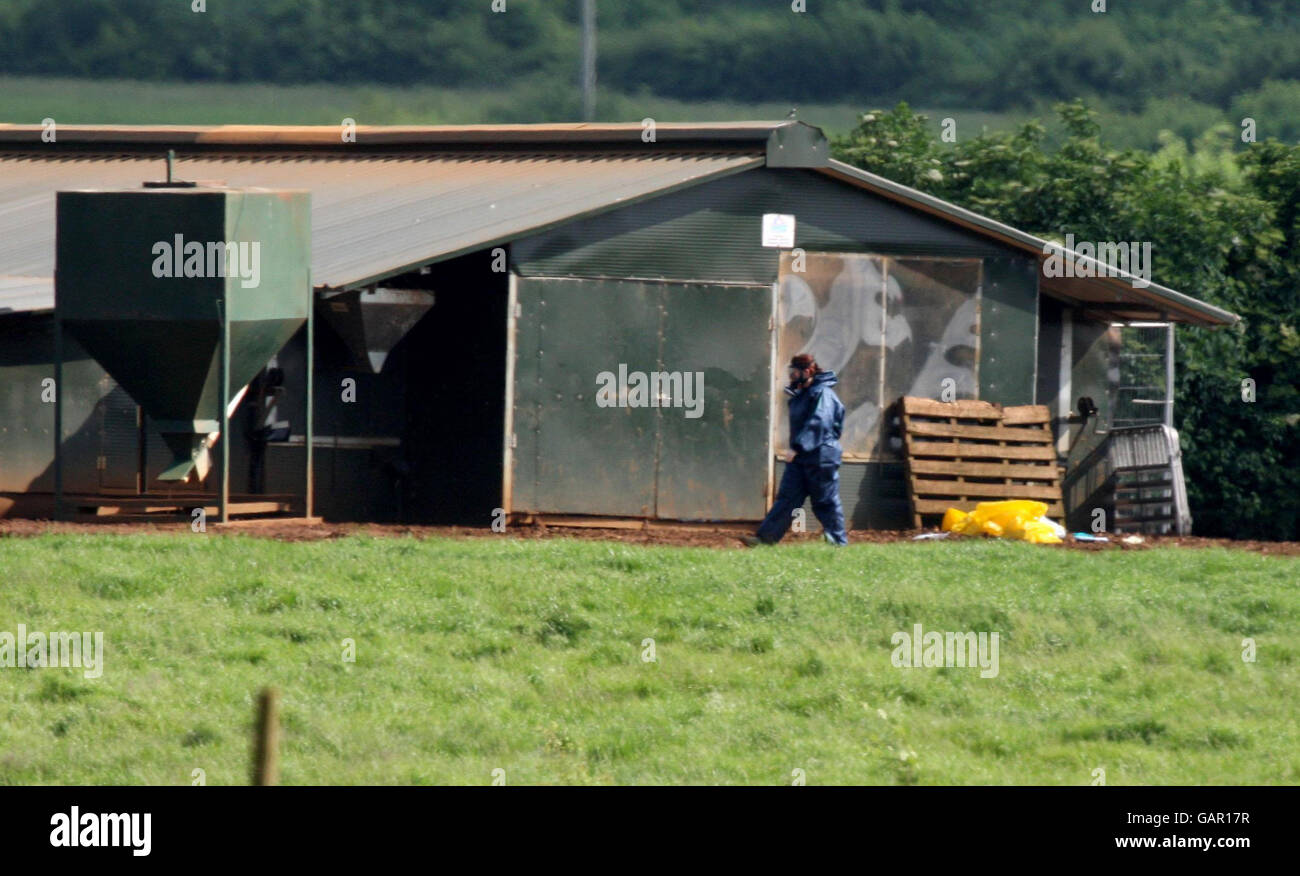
(1226, 229)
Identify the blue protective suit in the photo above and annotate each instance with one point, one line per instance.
(816, 422)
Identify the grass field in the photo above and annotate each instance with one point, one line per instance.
(29, 100)
(526, 655)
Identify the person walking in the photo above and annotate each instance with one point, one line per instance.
(813, 462)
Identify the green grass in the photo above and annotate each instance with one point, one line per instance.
(525, 655)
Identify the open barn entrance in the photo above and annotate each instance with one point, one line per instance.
(455, 372)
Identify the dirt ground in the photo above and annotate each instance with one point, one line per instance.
(713, 536)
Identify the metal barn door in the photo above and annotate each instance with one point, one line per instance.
(714, 466)
(683, 451)
(591, 459)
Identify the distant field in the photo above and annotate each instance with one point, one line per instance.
(69, 101)
(526, 655)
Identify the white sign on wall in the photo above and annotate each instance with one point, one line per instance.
(778, 230)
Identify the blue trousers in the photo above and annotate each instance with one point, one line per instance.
(804, 479)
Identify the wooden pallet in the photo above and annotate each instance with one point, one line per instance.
(965, 452)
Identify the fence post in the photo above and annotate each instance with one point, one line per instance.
(266, 744)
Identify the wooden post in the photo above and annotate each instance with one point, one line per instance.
(266, 744)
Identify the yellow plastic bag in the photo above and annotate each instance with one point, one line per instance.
(1020, 519)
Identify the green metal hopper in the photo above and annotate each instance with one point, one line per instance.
(165, 286)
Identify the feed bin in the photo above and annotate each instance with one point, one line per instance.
(182, 293)
(372, 321)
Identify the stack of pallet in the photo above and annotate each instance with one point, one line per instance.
(965, 452)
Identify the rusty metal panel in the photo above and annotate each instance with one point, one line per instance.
(756, 136)
(713, 456)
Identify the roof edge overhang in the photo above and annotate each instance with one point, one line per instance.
(1111, 293)
(786, 143)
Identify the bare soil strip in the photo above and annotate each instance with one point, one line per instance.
(657, 535)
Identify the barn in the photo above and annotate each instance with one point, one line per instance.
(568, 321)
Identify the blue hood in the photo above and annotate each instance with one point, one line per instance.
(816, 418)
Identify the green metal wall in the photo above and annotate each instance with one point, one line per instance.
(714, 467)
(27, 420)
(714, 231)
(572, 456)
(101, 445)
(645, 285)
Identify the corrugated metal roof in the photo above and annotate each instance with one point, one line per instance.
(400, 197)
(373, 216)
(19, 294)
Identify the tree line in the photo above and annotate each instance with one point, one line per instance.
(996, 56)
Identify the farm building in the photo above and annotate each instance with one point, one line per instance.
(558, 320)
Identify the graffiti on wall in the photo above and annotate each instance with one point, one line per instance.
(888, 327)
